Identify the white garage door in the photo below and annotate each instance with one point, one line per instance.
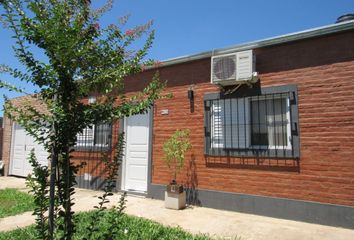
(22, 144)
(137, 153)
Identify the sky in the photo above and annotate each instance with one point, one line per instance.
(184, 27)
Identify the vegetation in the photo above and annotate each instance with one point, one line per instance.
(13, 202)
(129, 228)
(174, 149)
(93, 229)
(81, 58)
(38, 184)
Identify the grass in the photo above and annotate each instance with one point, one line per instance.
(129, 227)
(13, 202)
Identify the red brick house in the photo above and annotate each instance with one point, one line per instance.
(280, 144)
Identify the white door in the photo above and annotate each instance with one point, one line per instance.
(137, 153)
(22, 145)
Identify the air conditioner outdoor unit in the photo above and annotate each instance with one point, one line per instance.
(234, 68)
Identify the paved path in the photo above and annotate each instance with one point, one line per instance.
(196, 219)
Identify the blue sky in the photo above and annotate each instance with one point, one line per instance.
(186, 27)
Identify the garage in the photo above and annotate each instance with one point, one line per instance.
(21, 146)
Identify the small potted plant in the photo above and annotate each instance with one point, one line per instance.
(174, 154)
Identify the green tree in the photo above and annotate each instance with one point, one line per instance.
(81, 58)
(175, 149)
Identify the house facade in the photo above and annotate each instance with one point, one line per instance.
(1, 139)
(281, 145)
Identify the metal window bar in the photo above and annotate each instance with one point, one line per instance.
(238, 126)
(283, 138)
(255, 126)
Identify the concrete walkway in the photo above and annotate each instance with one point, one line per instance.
(195, 219)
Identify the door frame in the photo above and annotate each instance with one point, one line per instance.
(122, 171)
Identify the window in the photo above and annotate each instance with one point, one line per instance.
(230, 126)
(270, 121)
(98, 135)
(91, 99)
(262, 125)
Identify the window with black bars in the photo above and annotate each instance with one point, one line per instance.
(95, 137)
(263, 125)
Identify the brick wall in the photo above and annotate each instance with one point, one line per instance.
(93, 159)
(323, 70)
(1, 140)
(6, 149)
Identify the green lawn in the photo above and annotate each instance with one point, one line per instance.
(13, 202)
(129, 227)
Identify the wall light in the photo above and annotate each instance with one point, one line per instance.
(191, 98)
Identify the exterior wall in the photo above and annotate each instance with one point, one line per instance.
(18, 102)
(94, 169)
(6, 150)
(1, 133)
(92, 173)
(323, 70)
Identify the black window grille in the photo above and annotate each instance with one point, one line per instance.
(95, 138)
(261, 125)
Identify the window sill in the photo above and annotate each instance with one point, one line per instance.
(253, 153)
